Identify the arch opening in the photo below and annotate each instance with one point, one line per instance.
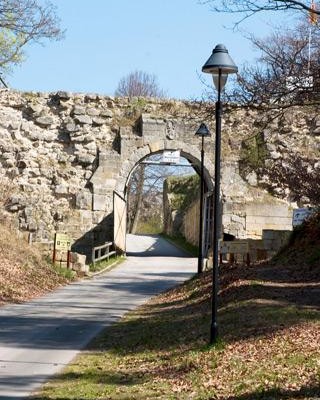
(152, 210)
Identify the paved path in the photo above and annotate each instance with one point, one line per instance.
(38, 338)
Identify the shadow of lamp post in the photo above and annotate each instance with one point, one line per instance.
(202, 132)
(219, 65)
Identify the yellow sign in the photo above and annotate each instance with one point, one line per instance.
(62, 242)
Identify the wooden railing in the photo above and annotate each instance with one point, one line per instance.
(102, 252)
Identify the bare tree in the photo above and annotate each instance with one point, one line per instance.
(287, 71)
(145, 191)
(22, 22)
(139, 84)
(247, 8)
(296, 177)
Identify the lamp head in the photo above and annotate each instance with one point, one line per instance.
(220, 65)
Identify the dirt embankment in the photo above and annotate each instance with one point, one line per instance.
(24, 272)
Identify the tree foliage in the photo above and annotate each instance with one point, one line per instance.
(22, 22)
(139, 84)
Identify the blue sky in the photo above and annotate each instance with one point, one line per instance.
(107, 39)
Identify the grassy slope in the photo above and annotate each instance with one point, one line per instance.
(269, 320)
(24, 274)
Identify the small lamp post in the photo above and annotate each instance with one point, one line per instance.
(202, 132)
(219, 65)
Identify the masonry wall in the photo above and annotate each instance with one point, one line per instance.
(62, 155)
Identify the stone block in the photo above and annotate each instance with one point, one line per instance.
(106, 113)
(61, 189)
(99, 202)
(84, 200)
(86, 159)
(93, 112)
(77, 258)
(44, 121)
(79, 110)
(83, 119)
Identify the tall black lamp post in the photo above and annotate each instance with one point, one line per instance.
(219, 65)
(202, 132)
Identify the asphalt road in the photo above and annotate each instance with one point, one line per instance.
(39, 338)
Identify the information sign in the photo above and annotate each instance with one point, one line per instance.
(234, 247)
(172, 157)
(62, 242)
(300, 214)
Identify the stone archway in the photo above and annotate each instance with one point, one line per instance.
(189, 151)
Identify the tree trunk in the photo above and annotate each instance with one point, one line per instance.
(139, 198)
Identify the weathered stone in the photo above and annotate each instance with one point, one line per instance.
(85, 158)
(84, 200)
(35, 108)
(44, 121)
(106, 113)
(316, 131)
(252, 178)
(15, 125)
(63, 95)
(32, 226)
(71, 127)
(48, 136)
(99, 202)
(26, 126)
(80, 268)
(275, 155)
(93, 112)
(61, 189)
(77, 258)
(83, 119)
(98, 121)
(79, 110)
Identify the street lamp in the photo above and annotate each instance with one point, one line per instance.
(219, 65)
(202, 132)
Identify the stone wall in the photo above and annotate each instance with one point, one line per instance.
(62, 155)
(190, 226)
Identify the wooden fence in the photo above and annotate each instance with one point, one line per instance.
(102, 252)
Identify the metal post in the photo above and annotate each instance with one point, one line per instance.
(200, 258)
(216, 219)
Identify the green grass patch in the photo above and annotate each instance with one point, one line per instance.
(181, 242)
(64, 272)
(101, 265)
(269, 347)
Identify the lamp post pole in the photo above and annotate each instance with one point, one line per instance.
(219, 65)
(202, 131)
(216, 219)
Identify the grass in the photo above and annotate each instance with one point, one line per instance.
(65, 272)
(269, 347)
(104, 264)
(181, 242)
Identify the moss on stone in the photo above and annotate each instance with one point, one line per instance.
(253, 154)
(183, 191)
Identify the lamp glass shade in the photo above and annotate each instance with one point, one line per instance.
(220, 60)
(203, 131)
(223, 80)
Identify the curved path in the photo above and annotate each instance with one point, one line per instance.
(38, 338)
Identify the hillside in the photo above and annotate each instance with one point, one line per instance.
(269, 348)
(24, 273)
